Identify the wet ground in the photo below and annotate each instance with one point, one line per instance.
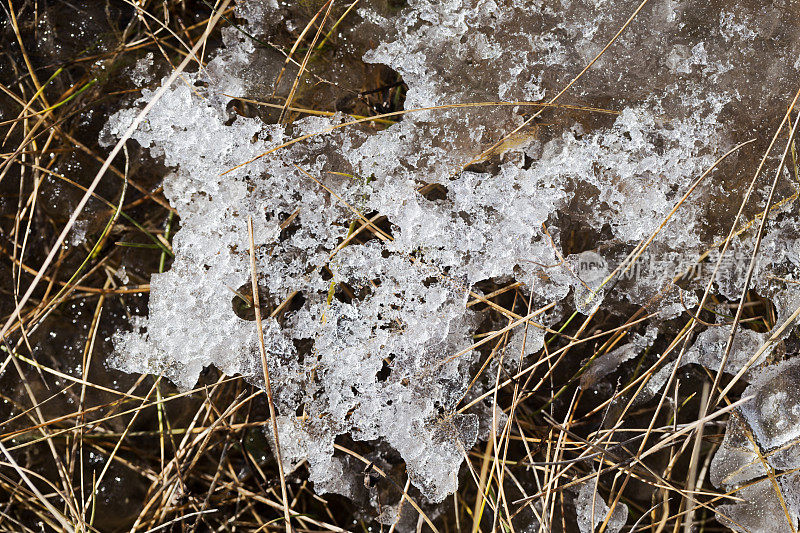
(70, 418)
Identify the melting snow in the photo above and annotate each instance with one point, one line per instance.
(392, 362)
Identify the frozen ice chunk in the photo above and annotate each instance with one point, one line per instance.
(764, 430)
(609, 362)
(736, 461)
(773, 415)
(709, 348)
(592, 510)
(762, 509)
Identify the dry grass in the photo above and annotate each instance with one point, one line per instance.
(87, 449)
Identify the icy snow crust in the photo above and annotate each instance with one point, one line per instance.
(675, 91)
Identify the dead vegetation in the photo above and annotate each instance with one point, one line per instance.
(86, 448)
